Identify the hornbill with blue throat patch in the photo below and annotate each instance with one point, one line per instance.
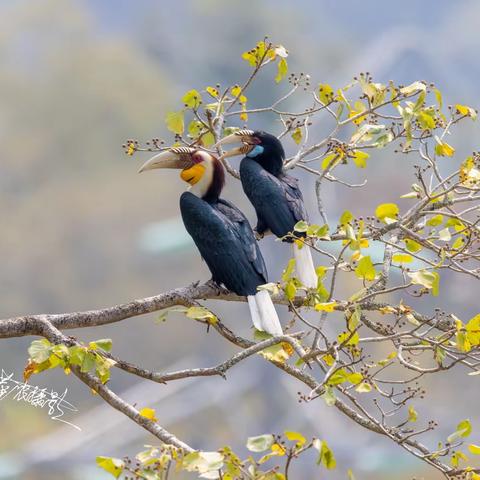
(220, 231)
(275, 195)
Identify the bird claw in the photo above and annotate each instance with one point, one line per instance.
(219, 289)
(258, 235)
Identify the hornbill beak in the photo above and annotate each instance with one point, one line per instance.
(178, 158)
(243, 136)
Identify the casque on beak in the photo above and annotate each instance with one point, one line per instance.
(243, 136)
(178, 158)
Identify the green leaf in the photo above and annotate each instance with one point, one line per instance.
(464, 429)
(387, 212)
(365, 269)
(435, 221)
(102, 367)
(412, 245)
(282, 70)
(413, 88)
(39, 350)
(287, 273)
(89, 361)
(363, 387)
(174, 121)
(111, 465)
(301, 226)
(290, 289)
(329, 396)
(192, 99)
(201, 313)
(203, 462)
(326, 457)
(347, 217)
(427, 279)
(426, 119)
(260, 443)
(104, 344)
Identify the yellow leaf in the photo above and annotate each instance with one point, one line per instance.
(174, 121)
(325, 307)
(363, 387)
(278, 450)
(365, 269)
(387, 310)
(325, 93)
(413, 88)
(192, 99)
(360, 158)
(402, 258)
(475, 449)
(435, 221)
(426, 120)
(387, 211)
(328, 359)
(148, 413)
(326, 457)
(131, 149)
(297, 135)
(212, 91)
(466, 110)
(236, 92)
(114, 466)
(358, 108)
(296, 437)
(282, 70)
(427, 279)
(412, 245)
(443, 149)
(412, 414)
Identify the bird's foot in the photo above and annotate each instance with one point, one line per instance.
(219, 288)
(258, 235)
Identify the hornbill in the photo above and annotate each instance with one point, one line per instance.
(275, 195)
(220, 231)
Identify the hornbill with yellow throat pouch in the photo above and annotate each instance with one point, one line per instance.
(220, 231)
(275, 195)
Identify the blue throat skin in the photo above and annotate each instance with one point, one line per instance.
(258, 150)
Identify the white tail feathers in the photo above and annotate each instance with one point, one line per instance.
(304, 266)
(264, 315)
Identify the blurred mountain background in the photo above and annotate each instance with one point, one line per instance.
(80, 230)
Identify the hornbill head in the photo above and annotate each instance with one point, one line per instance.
(258, 145)
(200, 169)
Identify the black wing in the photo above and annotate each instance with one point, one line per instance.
(226, 242)
(277, 201)
(243, 231)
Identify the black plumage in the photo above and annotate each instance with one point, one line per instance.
(276, 197)
(220, 231)
(226, 242)
(277, 200)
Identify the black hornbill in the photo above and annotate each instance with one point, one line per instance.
(275, 195)
(220, 231)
